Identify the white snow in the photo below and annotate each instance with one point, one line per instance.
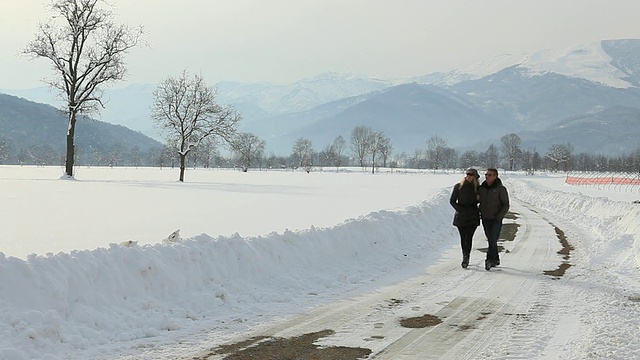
(254, 247)
(493, 65)
(586, 61)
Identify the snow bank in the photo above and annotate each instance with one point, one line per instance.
(614, 223)
(86, 303)
(604, 281)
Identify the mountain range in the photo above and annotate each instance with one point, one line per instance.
(30, 127)
(587, 95)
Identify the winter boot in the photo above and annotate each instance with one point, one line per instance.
(488, 264)
(465, 261)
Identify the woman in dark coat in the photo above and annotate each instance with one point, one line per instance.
(464, 199)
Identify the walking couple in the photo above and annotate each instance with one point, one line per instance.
(494, 204)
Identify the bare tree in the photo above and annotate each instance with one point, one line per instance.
(469, 158)
(86, 49)
(161, 157)
(527, 162)
(95, 156)
(338, 146)
(560, 156)
(490, 157)
(207, 151)
(271, 160)
(186, 112)
(135, 157)
(302, 154)
(379, 144)
(115, 154)
(43, 155)
(511, 149)
(449, 158)
(361, 143)
(536, 160)
(436, 147)
(384, 148)
(530, 161)
(418, 159)
(5, 150)
(327, 155)
(204, 154)
(584, 162)
(248, 149)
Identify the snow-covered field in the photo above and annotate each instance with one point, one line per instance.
(258, 247)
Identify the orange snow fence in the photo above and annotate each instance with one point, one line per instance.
(610, 180)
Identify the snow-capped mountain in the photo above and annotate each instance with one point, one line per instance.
(299, 96)
(522, 94)
(609, 62)
(588, 61)
(473, 72)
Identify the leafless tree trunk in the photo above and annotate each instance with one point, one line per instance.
(511, 149)
(186, 112)
(248, 148)
(386, 153)
(383, 146)
(86, 49)
(338, 146)
(361, 142)
(302, 153)
(435, 150)
(5, 150)
(376, 143)
(559, 154)
(490, 157)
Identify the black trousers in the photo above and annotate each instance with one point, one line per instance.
(466, 238)
(492, 229)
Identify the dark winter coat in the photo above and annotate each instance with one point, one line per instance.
(494, 200)
(464, 200)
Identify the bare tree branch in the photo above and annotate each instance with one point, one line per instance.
(86, 50)
(186, 113)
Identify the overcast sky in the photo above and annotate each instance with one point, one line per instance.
(283, 41)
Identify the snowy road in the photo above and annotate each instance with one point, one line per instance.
(517, 310)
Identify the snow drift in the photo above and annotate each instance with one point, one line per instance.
(73, 302)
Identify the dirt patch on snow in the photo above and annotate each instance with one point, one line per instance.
(511, 215)
(565, 252)
(559, 272)
(509, 231)
(566, 247)
(420, 321)
(295, 348)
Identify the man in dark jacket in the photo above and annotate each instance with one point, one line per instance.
(494, 204)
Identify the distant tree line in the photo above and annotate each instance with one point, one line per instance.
(366, 148)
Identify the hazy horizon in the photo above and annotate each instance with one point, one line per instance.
(284, 41)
